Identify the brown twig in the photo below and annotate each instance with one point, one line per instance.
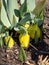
(39, 51)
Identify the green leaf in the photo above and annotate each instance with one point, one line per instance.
(27, 14)
(0, 3)
(1, 42)
(0, 9)
(11, 5)
(6, 33)
(30, 5)
(30, 15)
(17, 13)
(20, 29)
(39, 8)
(23, 8)
(25, 19)
(5, 5)
(38, 21)
(4, 17)
(2, 35)
(22, 55)
(14, 22)
(2, 27)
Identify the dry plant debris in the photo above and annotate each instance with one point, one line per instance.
(42, 61)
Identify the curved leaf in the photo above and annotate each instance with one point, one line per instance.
(11, 5)
(4, 17)
(25, 19)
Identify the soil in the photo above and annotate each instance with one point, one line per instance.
(10, 56)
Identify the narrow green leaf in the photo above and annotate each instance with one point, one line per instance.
(5, 5)
(22, 55)
(0, 9)
(1, 27)
(39, 8)
(4, 17)
(1, 42)
(23, 8)
(30, 4)
(0, 3)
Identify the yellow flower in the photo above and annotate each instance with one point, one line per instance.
(24, 40)
(9, 41)
(34, 29)
(26, 26)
